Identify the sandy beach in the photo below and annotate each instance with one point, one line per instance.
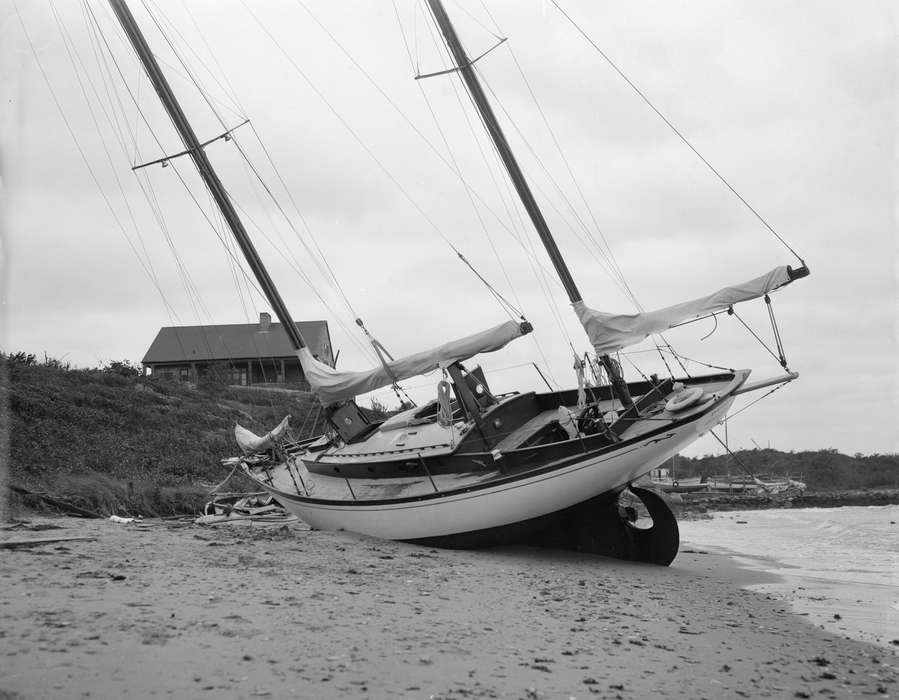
(171, 609)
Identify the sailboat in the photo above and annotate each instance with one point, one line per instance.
(472, 467)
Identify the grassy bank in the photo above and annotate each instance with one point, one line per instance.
(112, 441)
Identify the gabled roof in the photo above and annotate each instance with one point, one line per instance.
(239, 341)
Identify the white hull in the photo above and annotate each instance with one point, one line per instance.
(505, 503)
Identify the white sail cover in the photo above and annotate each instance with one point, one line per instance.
(611, 332)
(250, 442)
(333, 385)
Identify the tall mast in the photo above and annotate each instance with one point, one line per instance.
(505, 151)
(195, 149)
(465, 67)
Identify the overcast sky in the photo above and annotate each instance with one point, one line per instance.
(793, 102)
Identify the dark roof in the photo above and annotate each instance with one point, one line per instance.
(235, 342)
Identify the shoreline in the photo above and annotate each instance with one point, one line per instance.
(846, 587)
(688, 505)
(189, 500)
(168, 607)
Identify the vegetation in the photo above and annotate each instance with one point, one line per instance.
(821, 470)
(111, 440)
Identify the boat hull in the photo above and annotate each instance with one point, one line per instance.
(501, 503)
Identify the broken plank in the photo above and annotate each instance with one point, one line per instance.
(34, 541)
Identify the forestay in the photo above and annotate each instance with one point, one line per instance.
(611, 332)
(333, 385)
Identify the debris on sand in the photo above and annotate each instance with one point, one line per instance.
(234, 507)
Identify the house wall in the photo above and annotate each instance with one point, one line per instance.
(238, 372)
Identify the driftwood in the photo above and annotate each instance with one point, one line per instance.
(34, 541)
(64, 506)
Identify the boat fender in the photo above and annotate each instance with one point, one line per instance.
(684, 400)
(444, 407)
(568, 420)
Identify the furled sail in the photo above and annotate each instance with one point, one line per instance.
(249, 442)
(611, 332)
(333, 385)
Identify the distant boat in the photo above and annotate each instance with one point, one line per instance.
(473, 467)
(757, 485)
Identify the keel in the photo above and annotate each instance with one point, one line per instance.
(599, 526)
(596, 526)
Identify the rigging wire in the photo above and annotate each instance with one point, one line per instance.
(611, 255)
(172, 28)
(531, 254)
(674, 129)
(146, 187)
(503, 191)
(288, 256)
(321, 256)
(611, 267)
(393, 105)
(731, 416)
(704, 364)
(606, 251)
(730, 452)
(603, 262)
(189, 73)
(144, 263)
(781, 361)
(468, 190)
(319, 259)
(347, 126)
(73, 54)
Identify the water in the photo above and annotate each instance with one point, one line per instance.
(840, 566)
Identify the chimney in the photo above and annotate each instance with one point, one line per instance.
(265, 320)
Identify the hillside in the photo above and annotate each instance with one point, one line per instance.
(109, 434)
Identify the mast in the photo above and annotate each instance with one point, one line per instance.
(198, 155)
(465, 67)
(505, 151)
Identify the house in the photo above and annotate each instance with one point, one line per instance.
(243, 353)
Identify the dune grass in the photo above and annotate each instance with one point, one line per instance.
(114, 442)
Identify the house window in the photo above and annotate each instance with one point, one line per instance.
(237, 375)
(184, 374)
